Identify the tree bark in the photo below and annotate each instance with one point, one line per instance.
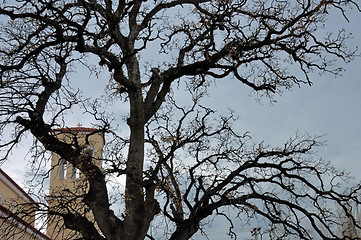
(134, 197)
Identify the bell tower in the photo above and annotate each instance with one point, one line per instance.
(67, 184)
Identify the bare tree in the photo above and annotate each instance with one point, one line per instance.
(181, 166)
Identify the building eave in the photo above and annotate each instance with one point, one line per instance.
(15, 187)
(7, 215)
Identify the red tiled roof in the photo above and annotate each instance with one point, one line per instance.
(16, 186)
(76, 129)
(11, 216)
(79, 130)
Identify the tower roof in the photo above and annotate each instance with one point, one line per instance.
(76, 130)
(80, 129)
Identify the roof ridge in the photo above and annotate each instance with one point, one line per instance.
(76, 129)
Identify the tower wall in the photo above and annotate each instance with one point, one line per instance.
(67, 184)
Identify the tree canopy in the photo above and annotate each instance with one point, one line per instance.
(182, 163)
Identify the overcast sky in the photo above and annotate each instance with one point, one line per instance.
(330, 107)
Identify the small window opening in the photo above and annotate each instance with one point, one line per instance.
(74, 172)
(62, 169)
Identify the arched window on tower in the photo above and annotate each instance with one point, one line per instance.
(74, 172)
(62, 168)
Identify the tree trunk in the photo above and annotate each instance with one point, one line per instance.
(134, 197)
(185, 231)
